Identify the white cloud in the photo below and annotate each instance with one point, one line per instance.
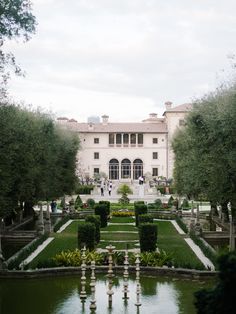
(92, 57)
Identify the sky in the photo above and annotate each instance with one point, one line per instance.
(123, 58)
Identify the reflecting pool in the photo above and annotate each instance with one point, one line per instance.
(60, 295)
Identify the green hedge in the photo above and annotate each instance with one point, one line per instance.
(19, 257)
(90, 202)
(96, 220)
(107, 204)
(60, 223)
(140, 208)
(145, 218)
(181, 224)
(86, 235)
(84, 189)
(101, 210)
(78, 202)
(148, 237)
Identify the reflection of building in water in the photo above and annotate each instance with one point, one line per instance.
(126, 151)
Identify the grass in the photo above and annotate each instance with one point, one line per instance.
(120, 228)
(119, 236)
(118, 245)
(122, 219)
(170, 241)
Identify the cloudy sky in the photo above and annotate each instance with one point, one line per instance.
(124, 58)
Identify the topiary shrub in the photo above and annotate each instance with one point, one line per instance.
(170, 201)
(86, 235)
(96, 220)
(158, 203)
(185, 204)
(139, 209)
(145, 218)
(148, 237)
(78, 202)
(107, 204)
(91, 202)
(101, 210)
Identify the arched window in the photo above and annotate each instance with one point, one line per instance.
(137, 168)
(125, 169)
(114, 169)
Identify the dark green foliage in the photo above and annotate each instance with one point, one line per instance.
(84, 189)
(145, 218)
(91, 202)
(86, 235)
(101, 210)
(107, 204)
(96, 220)
(25, 252)
(139, 208)
(60, 223)
(16, 20)
(170, 201)
(181, 224)
(158, 203)
(78, 202)
(220, 299)
(161, 188)
(37, 159)
(148, 237)
(185, 204)
(209, 253)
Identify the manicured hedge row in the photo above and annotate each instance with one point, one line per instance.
(86, 235)
(96, 220)
(102, 211)
(139, 208)
(148, 237)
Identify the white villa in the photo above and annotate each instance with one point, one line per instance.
(125, 151)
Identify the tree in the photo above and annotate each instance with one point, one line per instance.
(37, 160)
(16, 21)
(124, 190)
(205, 150)
(220, 299)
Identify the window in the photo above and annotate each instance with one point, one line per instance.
(96, 155)
(96, 140)
(118, 138)
(181, 122)
(133, 138)
(140, 138)
(96, 170)
(155, 140)
(125, 138)
(155, 155)
(155, 172)
(111, 139)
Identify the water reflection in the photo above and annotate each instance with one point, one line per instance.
(61, 296)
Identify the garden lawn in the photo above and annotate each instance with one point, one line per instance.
(122, 219)
(119, 245)
(171, 241)
(67, 240)
(120, 228)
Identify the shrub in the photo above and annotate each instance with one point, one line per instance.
(161, 188)
(101, 210)
(73, 258)
(86, 235)
(107, 204)
(96, 220)
(181, 224)
(122, 214)
(84, 189)
(158, 203)
(124, 190)
(170, 201)
(139, 208)
(145, 218)
(148, 237)
(185, 204)
(78, 202)
(156, 259)
(91, 202)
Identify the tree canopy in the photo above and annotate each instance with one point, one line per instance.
(16, 21)
(37, 159)
(205, 150)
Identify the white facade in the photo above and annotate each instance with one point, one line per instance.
(124, 151)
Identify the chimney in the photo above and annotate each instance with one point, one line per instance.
(168, 105)
(105, 119)
(90, 126)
